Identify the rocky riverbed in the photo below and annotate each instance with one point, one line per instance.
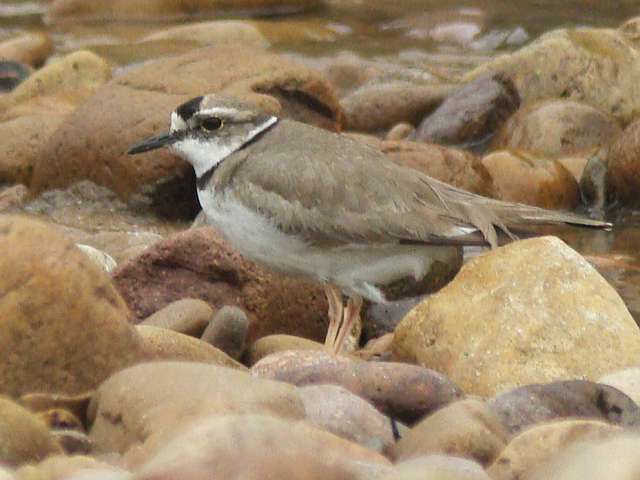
(136, 344)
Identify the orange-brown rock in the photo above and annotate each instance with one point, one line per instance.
(623, 173)
(63, 326)
(30, 48)
(524, 178)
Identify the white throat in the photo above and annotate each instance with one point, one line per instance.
(206, 154)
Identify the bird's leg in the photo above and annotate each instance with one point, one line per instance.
(334, 297)
(351, 316)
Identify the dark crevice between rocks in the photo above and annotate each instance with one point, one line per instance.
(301, 106)
(173, 199)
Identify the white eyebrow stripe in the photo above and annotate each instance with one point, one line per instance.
(218, 111)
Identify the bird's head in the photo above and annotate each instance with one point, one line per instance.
(205, 130)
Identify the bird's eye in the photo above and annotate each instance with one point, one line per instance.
(211, 123)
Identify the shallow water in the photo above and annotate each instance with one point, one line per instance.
(446, 36)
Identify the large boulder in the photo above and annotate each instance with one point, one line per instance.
(533, 311)
(93, 142)
(597, 66)
(63, 326)
(197, 263)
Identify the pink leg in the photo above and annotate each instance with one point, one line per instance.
(336, 308)
(351, 315)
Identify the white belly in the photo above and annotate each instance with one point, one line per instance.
(355, 268)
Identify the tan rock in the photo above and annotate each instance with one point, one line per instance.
(378, 105)
(466, 428)
(189, 316)
(596, 66)
(32, 48)
(530, 312)
(20, 142)
(77, 323)
(162, 344)
(557, 128)
(23, 436)
(6, 474)
(436, 467)
(60, 467)
(257, 33)
(80, 70)
(215, 32)
(26, 128)
(613, 459)
(265, 346)
(627, 381)
(156, 398)
(337, 410)
(524, 178)
(127, 9)
(295, 451)
(92, 143)
(536, 446)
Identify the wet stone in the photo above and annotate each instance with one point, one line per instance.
(405, 392)
(228, 331)
(470, 116)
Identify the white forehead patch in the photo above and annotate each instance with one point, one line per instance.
(177, 123)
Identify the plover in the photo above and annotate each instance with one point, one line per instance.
(305, 201)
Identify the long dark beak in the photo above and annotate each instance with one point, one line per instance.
(153, 143)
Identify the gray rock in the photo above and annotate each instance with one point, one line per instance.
(228, 331)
